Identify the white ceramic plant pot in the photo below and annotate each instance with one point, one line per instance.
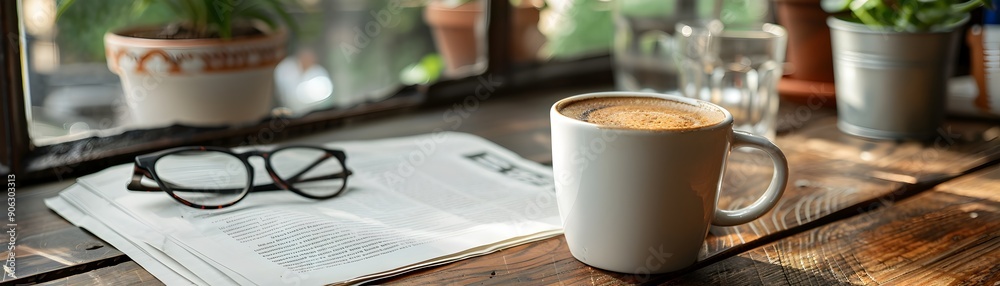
(195, 82)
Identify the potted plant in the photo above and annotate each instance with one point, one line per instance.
(809, 71)
(211, 67)
(455, 22)
(892, 60)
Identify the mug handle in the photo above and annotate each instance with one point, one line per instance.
(770, 197)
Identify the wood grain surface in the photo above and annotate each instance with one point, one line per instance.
(825, 186)
(834, 178)
(950, 235)
(126, 273)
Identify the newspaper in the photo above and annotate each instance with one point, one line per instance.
(411, 202)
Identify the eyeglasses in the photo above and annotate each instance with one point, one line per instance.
(214, 178)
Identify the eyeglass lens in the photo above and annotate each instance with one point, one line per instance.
(309, 170)
(204, 177)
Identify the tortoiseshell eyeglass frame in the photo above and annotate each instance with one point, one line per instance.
(144, 167)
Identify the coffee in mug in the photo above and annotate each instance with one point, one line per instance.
(638, 177)
(641, 113)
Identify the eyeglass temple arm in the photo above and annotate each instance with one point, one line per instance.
(296, 177)
(136, 183)
(273, 187)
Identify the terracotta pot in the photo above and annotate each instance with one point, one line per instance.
(980, 67)
(456, 39)
(525, 38)
(454, 32)
(196, 82)
(809, 53)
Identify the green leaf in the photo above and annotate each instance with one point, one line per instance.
(140, 7)
(176, 7)
(834, 6)
(933, 15)
(199, 15)
(223, 16)
(283, 13)
(257, 14)
(875, 5)
(968, 6)
(905, 17)
(206, 17)
(866, 11)
(63, 6)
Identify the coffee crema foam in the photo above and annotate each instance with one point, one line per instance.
(641, 113)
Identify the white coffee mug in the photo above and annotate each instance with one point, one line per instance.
(641, 202)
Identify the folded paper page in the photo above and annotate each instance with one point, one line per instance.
(411, 202)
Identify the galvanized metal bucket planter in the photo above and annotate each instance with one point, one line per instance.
(891, 85)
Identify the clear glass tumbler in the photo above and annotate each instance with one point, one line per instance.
(739, 69)
(644, 42)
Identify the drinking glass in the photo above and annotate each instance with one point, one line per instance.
(738, 69)
(644, 42)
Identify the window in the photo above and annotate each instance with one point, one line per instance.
(347, 53)
(348, 57)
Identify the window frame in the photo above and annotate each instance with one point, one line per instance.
(33, 163)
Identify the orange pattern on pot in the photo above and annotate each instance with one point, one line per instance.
(178, 57)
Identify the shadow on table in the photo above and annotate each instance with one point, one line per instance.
(734, 270)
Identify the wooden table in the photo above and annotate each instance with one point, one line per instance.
(855, 211)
